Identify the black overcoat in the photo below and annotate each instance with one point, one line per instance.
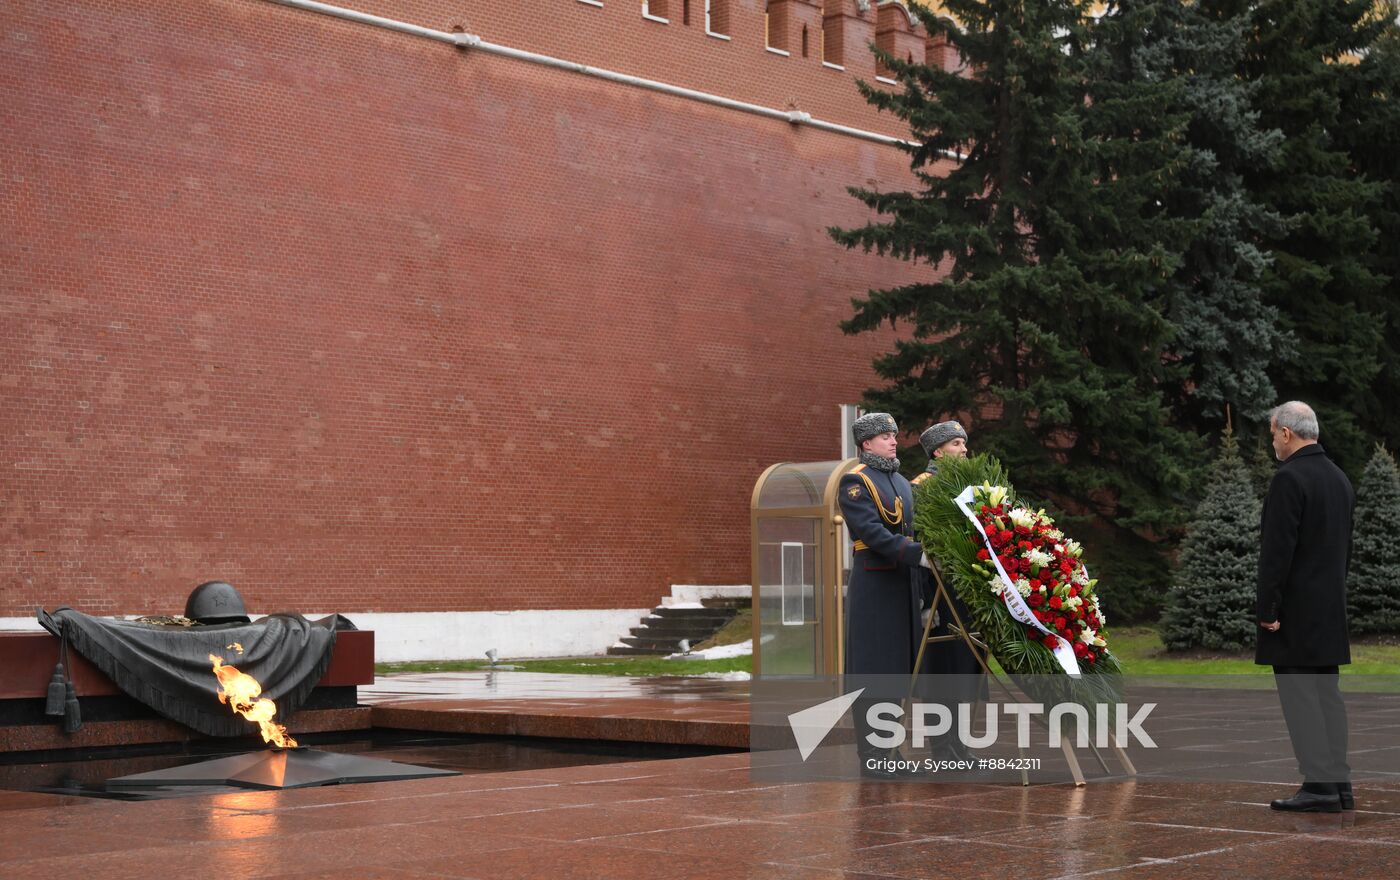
(882, 604)
(1305, 543)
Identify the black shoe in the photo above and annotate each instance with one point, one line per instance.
(1308, 802)
(944, 750)
(1344, 795)
(962, 752)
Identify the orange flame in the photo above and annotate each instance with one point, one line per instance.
(241, 691)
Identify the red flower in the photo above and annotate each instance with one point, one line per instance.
(1060, 623)
(983, 554)
(1055, 602)
(1050, 642)
(1036, 599)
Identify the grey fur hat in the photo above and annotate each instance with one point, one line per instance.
(873, 425)
(939, 434)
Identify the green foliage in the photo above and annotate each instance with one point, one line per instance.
(1134, 222)
(1263, 466)
(1043, 320)
(1177, 131)
(1370, 136)
(1323, 280)
(949, 537)
(1211, 603)
(1133, 572)
(1373, 581)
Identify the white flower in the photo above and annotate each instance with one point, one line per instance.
(1023, 586)
(1088, 636)
(1074, 548)
(996, 585)
(994, 495)
(1039, 557)
(1022, 517)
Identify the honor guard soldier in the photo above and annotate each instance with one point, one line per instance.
(883, 600)
(941, 441)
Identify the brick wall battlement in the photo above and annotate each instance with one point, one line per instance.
(789, 54)
(362, 322)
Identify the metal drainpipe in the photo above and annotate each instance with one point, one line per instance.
(477, 44)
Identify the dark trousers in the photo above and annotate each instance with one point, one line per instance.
(858, 715)
(1317, 722)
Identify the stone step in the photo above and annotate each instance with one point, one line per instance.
(661, 631)
(619, 651)
(670, 645)
(712, 614)
(735, 602)
(673, 630)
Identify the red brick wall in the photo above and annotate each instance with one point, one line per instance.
(359, 321)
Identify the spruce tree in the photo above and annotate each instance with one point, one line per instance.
(1168, 76)
(1373, 582)
(1212, 597)
(1370, 132)
(1322, 278)
(1033, 315)
(1263, 465)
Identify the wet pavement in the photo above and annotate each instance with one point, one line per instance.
(698, 817)
(710, 712)
(539, 685)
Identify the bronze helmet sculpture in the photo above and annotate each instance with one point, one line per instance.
(216, 602)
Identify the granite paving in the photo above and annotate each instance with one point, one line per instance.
(699, 818)
(693, 818)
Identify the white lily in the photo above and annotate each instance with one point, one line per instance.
(995, 495)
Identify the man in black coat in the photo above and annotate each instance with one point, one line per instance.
(882, 604)
(1305, 544)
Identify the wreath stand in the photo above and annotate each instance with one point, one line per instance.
(979, 649)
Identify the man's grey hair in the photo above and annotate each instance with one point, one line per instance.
(1297, 417)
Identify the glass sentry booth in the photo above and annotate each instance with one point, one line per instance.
(799, 552)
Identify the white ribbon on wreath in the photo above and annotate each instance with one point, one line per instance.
(1015, 603)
